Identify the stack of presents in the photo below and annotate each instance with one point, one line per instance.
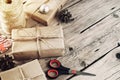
(36, 42)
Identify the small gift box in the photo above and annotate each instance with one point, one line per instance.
(28, 71)
(33, 9)
(38, 42)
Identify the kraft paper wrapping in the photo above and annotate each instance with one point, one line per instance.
(33, 11)
(29, 71)
(38, 42)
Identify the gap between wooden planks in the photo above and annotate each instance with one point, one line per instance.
(87, 13)
(107, 68)
(91, 44)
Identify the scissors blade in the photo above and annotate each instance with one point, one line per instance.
(84, 73)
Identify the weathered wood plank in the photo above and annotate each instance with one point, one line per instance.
(71, 3)
(89, 43)
(107, 68)
(89, 12)
(93, 43)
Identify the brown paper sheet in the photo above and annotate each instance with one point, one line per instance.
(38, 42)
(29, 71)
(33, 11)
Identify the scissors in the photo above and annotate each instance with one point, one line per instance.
(57, 69)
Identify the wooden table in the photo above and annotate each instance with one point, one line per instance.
(94, 32)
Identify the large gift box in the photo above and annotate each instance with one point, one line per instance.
(31, 8)
(29, 71)
(37, 42)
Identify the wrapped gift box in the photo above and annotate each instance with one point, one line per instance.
(29, 71)
(32, 9)
(38, 42)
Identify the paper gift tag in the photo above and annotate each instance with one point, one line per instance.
(34, 12)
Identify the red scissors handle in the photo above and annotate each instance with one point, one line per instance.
(52, 73)
(56, 69)
(54, 64)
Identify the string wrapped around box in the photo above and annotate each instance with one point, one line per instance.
(37, 42)
(29, 71)
(43, 11)
(12, 15)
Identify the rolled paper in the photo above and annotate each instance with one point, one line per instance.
(12, 15)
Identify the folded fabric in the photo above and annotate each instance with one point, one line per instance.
(38, 42)
(28, 71)
(31, 7)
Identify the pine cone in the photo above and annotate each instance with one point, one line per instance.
(65, 16)
(6, 63)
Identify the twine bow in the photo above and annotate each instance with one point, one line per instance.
(41, 39)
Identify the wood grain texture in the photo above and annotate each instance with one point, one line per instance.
(88, 13)
(94, 43)
(107, 68)
(94, 32)
(91, 44)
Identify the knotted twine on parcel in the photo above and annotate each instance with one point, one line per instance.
(38, 42)
(29, 71)
(31, 8)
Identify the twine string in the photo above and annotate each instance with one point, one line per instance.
(37, 36)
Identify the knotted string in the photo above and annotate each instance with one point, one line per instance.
(39, 38)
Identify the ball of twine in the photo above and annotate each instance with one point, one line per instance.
(12, 15)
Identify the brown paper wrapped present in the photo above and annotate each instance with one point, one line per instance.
(32, 9)
(28, 71)
(38, 42)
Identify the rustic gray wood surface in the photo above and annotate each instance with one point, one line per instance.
(94, 32)
(108, 68)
